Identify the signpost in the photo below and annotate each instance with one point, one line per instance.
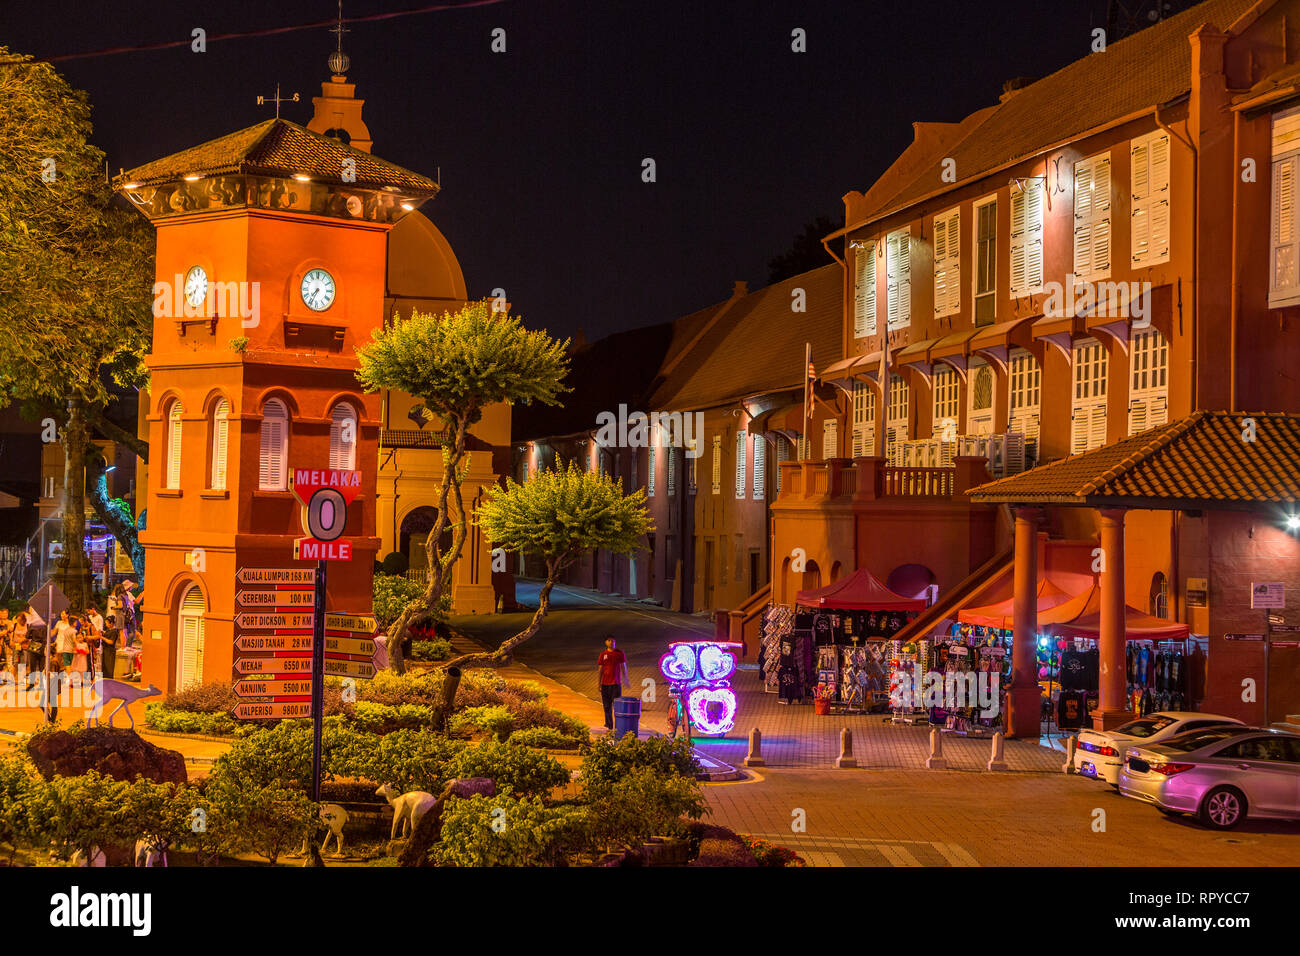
(279, 710)
(296, 687)
(300, 664)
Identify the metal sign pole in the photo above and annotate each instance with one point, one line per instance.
(317, 676)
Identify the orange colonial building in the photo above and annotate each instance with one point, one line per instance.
(991, 321)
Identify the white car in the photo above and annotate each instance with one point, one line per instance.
(1100, 754)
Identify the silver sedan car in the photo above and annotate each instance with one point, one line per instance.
(1222, 775)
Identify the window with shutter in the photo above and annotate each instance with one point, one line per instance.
(864, 419)
(220, 440)
(1026, 239)
(272, 471)
(1284, 254)
(1092, 212)
(830, 439)
(1148, 404)
(174, 444)
(1149, 235)
(979, 415)
(864, 292)
(986, 260)
(190, 669)
(947, 262)
(670, 462)
(946, 403)
(896, 419)
(760, 467)
(1089, 369)
(651, 458)
(898, 272)
(1025, 382)
(782, 454)
(717, 464)
(741, 462)
(343, 437)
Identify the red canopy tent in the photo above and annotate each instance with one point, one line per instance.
(1002, 614)
(860, 591)
(1081, 617)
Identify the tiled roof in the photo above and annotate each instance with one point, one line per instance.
(1138, 72)
(279, 148)
(1203, 458)
(758, 345)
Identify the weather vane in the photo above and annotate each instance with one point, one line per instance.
(338, 61)
(262, 100)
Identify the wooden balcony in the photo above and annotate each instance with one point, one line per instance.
(868, 479)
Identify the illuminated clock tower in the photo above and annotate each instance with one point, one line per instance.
(270, 273)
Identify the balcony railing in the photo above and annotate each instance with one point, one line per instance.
(918, 482)
(865, 479)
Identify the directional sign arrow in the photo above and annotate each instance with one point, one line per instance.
(300, 664)
(304, 577)
(281, 598)
(350, 668)
(275, 710)
(257, 620)
(297, 687)
(360, 623)
(265, 643)
(350, 645)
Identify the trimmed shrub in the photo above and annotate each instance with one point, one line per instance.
(213, 697)
(395, 563)
(493, 719)
(268, 820)
(408, 759)
(527, 772)
(609, 760)
(506, 830)
(397, 689)
(436, 650)
(535, 714)
(478, 688)
(376, 718)
(644, 803)
(525, 690)
(165, 719)
(391, 593)
(546, 738)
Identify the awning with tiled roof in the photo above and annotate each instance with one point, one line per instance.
(281, 149)
(1201, 461)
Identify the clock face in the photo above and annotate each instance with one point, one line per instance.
(318, 290)
(196, 286)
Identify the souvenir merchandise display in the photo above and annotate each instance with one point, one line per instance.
(908, 664)
(1158, 676)
(1067, 674)
(978, 650)
(777, 628)
(852, 679)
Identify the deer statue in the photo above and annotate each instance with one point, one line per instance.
(408, 808)
(149, 851)
(124, 694)
(334, 817)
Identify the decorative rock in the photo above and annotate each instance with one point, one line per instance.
(755, 756)
(115, 752)
(936, 761)
(846, 758)
(997, 761)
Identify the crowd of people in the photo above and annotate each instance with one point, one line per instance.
(90, 644)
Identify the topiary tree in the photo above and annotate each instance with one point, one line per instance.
(558, 515)
(457, 365)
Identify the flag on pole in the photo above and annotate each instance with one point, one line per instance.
(807, 394)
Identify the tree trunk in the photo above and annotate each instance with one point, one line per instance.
(72, 571)
(111, 431)
(114, 512)
(440, 565)
(502, 654)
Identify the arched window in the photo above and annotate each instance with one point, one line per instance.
(343, 437)
(1159, 595)
(173, 476)
(220, 433)
(189, 669)
(272, 473)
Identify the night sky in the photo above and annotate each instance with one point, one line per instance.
(540, 148)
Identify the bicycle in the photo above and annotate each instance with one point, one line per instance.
(679, 718)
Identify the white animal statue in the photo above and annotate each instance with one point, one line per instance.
(334, 817)
(96, 858)
(124, 694)
(149, 853)
(408, 808)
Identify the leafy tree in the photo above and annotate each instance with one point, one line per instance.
(86, 812)
(457, 365)
(507, 830)
(805, 253)
(74, 299)
(558, 515)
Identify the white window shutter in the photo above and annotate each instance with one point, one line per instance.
(741, 462)
(1097, 425)
(947, 262)
(220, 443)
(905, 279)
(1285, 278)
(760, 468)
(174, 444)
(1092, 210)
(1033, 239)
(864, 302)
(1101, 213)
(274, 440)
(670, 466)
(782, 454)
(343, 437)
(830, 439)
(891, 280)
(651, 459)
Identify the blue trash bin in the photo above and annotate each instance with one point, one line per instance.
(627, 716)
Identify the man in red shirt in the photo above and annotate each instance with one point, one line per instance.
(612, 665)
